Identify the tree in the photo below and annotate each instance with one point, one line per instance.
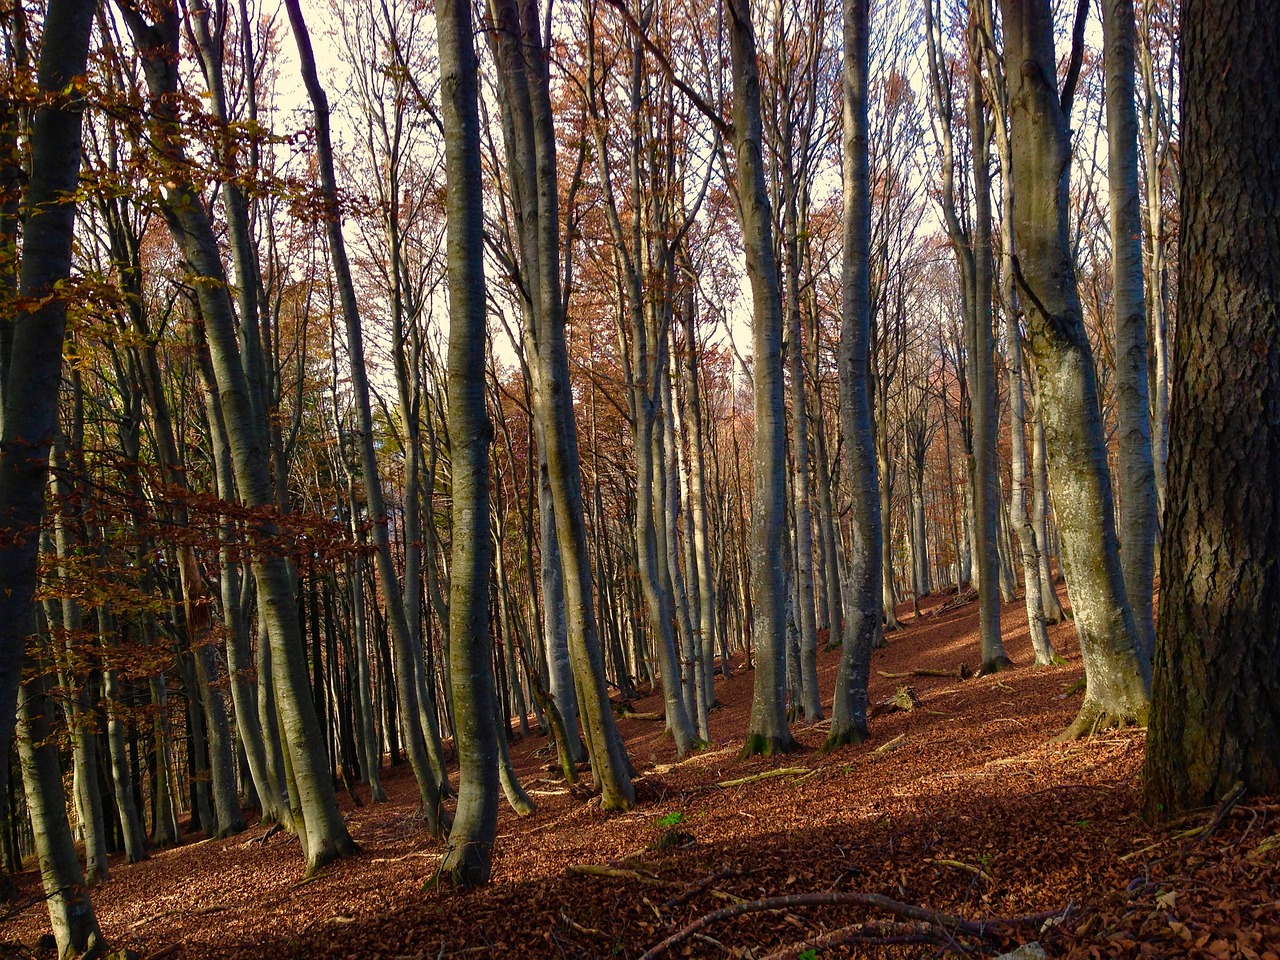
(1216, 701)
(768, 731)
(1116, 666)
(1138, 519)
(470, 434)
(862, 614)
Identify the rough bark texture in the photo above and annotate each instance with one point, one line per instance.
(1116, 665)
(862, 613)
(1216, 709)
(470, 432)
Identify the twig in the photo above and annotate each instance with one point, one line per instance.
(1234, 796)
(686, 895)
(961, 865)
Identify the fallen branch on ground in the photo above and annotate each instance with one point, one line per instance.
(616, 873)
(948, 924)
(768, 774)
(961, 672)
(889, 746)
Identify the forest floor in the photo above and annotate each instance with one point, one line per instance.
(963, 805)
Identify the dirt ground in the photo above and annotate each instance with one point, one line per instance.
(964, 806)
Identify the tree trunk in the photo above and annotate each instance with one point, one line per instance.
(768, 731)
(1117, 668)
(470, 433)
(862, 614)
(1216, 706)
(1138, 518)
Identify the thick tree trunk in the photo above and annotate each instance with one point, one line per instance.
(32, 337)
(1117, 668)
(192, 231)
(1138, 517)
(768, 731)
(1216, 707)
(862, 613)
(470, 433)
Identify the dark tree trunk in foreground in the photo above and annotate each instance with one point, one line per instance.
(1216, 706)
(475, 733)
(33, 335)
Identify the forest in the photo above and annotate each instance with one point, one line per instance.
(640, 478)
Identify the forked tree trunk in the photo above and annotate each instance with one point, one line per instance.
(1216, 709)
(1116, 666)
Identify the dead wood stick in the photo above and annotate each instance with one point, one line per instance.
(820, 898)
(635, 715)
(1234, 796)
(616, 873)
(768, 774)
(961, 865)
(890, 745)
(961, 672)
(694, 889)
(863, 934)
(178, 911)
(573, 924)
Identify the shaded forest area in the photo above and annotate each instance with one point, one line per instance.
(639, 479)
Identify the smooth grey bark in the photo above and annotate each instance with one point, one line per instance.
(862, 612)
(971, 244)
(1138, 502)
(1156, 138)
(475, 825)
(401, 641)
(190, 227)
(641, 365)
(71, 914)
(1053, 612)
(523, 56)
(768, 731)
(32, 337)
(131, 827)
(1020, 515)
(1116, 666)
(164, 819)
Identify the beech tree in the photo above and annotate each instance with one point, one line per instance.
(1215, 715)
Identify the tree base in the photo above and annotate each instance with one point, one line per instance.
(762, 745)
(852, 735)
(1094, 717)
(329, 852)
(995, 665)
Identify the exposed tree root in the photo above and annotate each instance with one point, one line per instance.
(1093, 717)
(995, 665)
